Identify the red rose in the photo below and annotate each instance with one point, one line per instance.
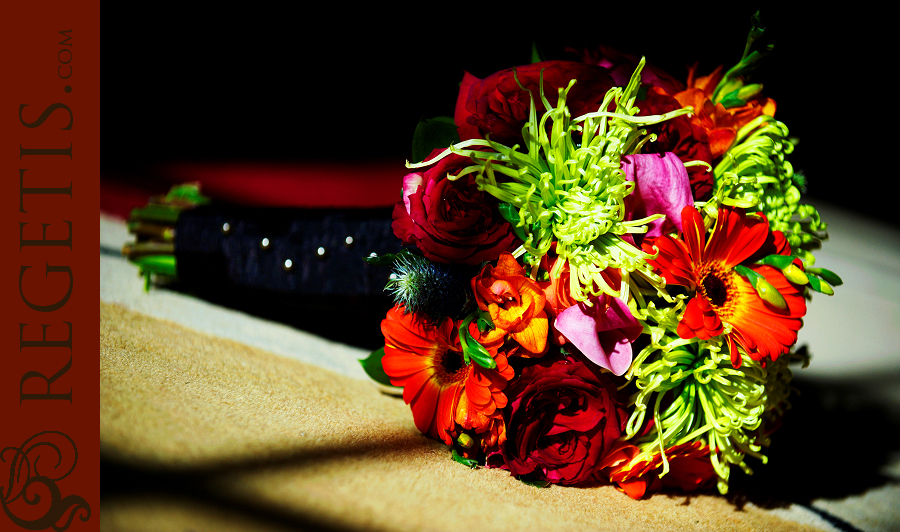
(621, 66)
(498, 106)
(451, 221)
(561, 419)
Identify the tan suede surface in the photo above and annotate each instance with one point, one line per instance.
(275, 444)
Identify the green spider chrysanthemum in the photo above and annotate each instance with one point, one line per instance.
(572, 191)
(754, 173)
(706, 399)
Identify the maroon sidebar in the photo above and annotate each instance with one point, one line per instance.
(49, 280)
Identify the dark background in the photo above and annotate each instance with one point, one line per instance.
(195, 84)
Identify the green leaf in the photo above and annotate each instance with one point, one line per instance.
(740, 95)
(374, 369)
(642, 93)
(156, 212)
(511, 214)
(381, 260)
(779, 261)
(475, 351)
(749, 60)
(470, 462)
(747, 273)
(756, 31)
(799, 179)
(484, 322)
(785, 263)
(386, 259)
(187, 192)
(535, 483)
(820, 286)
(438, 132)
(158, 264)
(732, 100)
(828, 275)
(535, 54)
(472, 350)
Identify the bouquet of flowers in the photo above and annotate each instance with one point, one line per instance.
(605, 273)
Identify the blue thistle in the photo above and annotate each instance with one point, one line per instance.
(431, 289)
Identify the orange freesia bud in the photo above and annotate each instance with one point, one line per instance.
(515, 303)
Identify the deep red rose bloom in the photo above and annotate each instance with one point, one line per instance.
(498, 106)
(562, 417)
(451, 221)
(621, 66)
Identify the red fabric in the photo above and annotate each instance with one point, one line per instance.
(364, 184)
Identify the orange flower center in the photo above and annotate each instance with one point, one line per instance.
(449, 367)
(717, 285)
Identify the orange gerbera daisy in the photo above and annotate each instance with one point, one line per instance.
(443, 390)
(724, 302)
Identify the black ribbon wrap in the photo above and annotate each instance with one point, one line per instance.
(287, 251)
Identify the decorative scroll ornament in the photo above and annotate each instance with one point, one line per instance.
(31, 497)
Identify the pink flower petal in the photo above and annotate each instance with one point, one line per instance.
(662, 186)
(604, 338)
(411, 183)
